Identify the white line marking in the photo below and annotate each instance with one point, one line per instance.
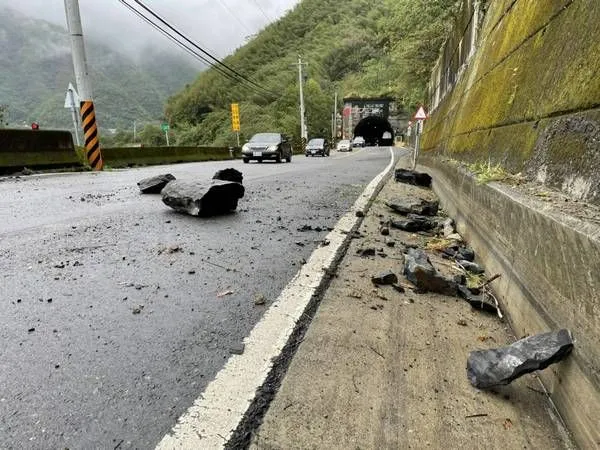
(210, 421)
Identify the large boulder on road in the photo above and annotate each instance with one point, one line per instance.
(203, 199)
(229, 175)
(153, 185)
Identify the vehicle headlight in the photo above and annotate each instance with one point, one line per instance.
(245, 148)
(272, 148)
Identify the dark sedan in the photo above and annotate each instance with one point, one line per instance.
(263, 146)
(317, 146)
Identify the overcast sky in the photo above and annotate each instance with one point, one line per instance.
(218, 25)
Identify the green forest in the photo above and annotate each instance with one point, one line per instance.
(353, 47)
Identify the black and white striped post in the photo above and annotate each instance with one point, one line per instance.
(88, 115)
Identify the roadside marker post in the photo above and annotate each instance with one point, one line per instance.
(71, 102)
(88, 115)
(419, 117)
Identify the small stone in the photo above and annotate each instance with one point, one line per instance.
(387, 277)
(260, 299)
(385, 231)
(153, 185)
(360, 213)
(462, 322)
(237, 349)
(31, 330)
(191, 272)
(471, 266)
(364, 252)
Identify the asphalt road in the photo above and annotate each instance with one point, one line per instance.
(115, 311)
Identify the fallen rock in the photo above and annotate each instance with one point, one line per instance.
(414, 222)
(417, 206)
(455, 237)
(232, 175)
(466, 253)
(471, 266)
(477, 301)
(387, 277)
(420, 272)
(488, 368)
(153, 185)
(385, 231)
(413, 177)
(364, 252)
(203, 199)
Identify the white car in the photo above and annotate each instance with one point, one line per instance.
(358, 141)
(344, 146)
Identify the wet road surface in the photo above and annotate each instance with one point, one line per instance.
(115, 311)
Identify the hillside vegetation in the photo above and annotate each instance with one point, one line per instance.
(354, 47)
(35, 57)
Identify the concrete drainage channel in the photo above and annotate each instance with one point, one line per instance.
(548, 258)
(234, 402)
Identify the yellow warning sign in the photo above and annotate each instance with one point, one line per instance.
(235, 117)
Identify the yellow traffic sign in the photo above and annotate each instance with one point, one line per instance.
(235, 117)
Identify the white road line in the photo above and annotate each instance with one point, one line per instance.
(210, 421)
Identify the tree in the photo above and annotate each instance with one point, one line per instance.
(3, 116)
(152, 136)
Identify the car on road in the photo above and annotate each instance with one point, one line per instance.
(317, 146)
(358, 141)
(263, 146)
(344, 146)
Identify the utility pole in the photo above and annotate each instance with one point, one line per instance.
(303, 129)
(335, 101)
(88, 116)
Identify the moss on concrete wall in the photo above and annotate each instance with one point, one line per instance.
(536, 67)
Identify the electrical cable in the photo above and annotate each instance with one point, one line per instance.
(213, 58)
(244, 82)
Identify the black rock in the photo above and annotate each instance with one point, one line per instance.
(305, 228)
(232, 175)
(470, 266)
(477, 301)
(387, 277)
(385, 231)
(153, 185)
(489, 368)
(414, 223)
(413, 177)
(417, 206)
(203, 199)
(422, 274)
(366, 252)
(466, 253)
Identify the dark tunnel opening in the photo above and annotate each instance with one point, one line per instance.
(375, 130)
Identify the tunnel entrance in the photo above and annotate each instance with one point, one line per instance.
(375, 130)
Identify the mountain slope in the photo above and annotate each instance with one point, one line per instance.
(354, 47)
(37, 67)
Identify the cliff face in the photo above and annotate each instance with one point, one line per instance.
(527, 95)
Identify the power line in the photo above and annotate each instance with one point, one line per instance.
(209, 59)
(262, 11)
(213, 58)
(232, 14)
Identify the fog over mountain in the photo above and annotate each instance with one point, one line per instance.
(218, 25)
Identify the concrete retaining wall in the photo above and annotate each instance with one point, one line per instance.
(550, 266)
(36, 149)
(529, 97)
(131, 156)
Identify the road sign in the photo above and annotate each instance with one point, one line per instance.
(165, 127)
(421, 114)
(72, 99)
(235, 117)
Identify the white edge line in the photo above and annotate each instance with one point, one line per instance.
(211, 420)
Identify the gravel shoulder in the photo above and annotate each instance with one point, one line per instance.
(382, 369)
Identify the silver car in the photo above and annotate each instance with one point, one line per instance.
(344, 146)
